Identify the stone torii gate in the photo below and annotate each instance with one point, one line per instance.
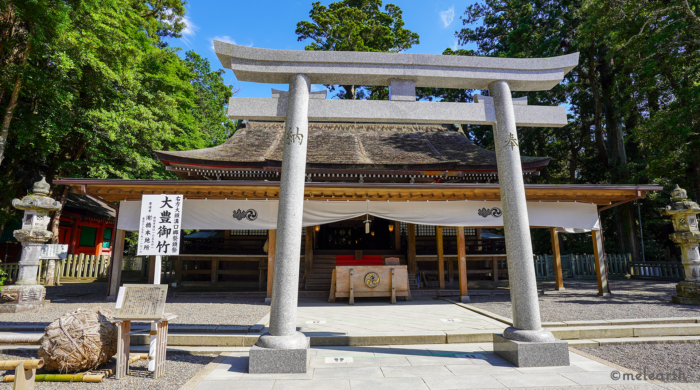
(284, 349)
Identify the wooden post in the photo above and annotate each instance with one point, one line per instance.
(351, 299)
(178, 269)
(600, 267)
(331, 297)
(74, 234)
(411, 261)
(441, 257)
(462, 258)
(151, 269)
(214, 269)
(393, 288)
(556, 255)
(271, 238)
(494, 268)
(99, 239)
(397, 235)
(309, 251)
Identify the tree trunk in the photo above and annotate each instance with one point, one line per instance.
(13, 103)
(56, 219)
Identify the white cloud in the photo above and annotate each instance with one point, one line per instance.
(455, 45)
(447, 16)
(222, 38)
(189, 31)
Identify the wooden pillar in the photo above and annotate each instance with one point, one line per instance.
(600, 266)
(116, 263)
(178, 269)
(556, 256)
(309, 250)
(440, 256)
(151, 268)
(271, 239)
(411, 261)
(462, 258)
(74, 236)
(397, 235)
(214, 269)
(100, 238)
(494, 268)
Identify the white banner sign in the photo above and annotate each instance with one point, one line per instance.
(262, 215)
(159, 225)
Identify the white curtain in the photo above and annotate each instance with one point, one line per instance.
(262, 214)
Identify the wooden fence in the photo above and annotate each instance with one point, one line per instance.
(582, 266)
(72, 267)
(669, 270)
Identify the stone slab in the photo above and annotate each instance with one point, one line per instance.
(522, 354)
(666, 330)
(22, 307)
(270, 109)
(365, 68)
(278, 361)
(685, 300)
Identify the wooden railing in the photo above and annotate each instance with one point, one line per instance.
(582, 265)
(657, 270)
(72, 267)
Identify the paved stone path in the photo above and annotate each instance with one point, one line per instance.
(425, 367)
(421, 316)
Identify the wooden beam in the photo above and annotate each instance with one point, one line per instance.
(600, 266)
(411, 261)
(271, 239)
(556, 254)
(462, 256)
(441, 257)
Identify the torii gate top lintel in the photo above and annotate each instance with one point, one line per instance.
(368, 68)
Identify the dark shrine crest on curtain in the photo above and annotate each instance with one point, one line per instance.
(494, 212)
(250, 214)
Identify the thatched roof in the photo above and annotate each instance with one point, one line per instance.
(353, 146)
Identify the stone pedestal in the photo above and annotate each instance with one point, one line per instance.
(279, 361)
(687, 236)
(27, 294)
(284, 349)
(532, 354)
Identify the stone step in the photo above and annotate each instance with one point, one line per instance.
(187, 336)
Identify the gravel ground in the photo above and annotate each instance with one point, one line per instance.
(190, 310)
(654, 359)
(630, 299)
(178, 370)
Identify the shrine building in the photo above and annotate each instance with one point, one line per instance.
(424, 194)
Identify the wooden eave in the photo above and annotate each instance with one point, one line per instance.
(114, 190)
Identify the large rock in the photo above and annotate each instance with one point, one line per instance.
(79, 340)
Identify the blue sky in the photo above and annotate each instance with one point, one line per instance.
(271, 25)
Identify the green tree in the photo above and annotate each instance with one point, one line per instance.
(100, 97)
(357, 25)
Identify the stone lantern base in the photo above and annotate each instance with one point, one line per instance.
(20, 298)
(687, 293)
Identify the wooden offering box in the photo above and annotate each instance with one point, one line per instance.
(369, 281)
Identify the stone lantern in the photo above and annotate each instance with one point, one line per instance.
(687, 236)
(27, 294)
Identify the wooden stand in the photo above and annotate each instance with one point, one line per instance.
(124, 342)
(349, 281)
(25, 372)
